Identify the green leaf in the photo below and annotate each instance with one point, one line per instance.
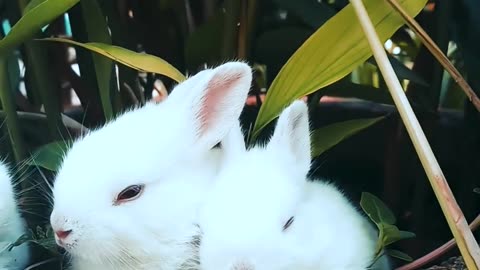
(50, 156)
(139, 61)
(376, 209)
(97, 31)
(399, 255)
(392, 234)
(39, 14)
(332, 52)
(326, 137)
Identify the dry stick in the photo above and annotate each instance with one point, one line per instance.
(437, 53)
(437, 253)
(455, 218)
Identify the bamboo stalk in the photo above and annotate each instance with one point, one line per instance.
(437, 53)
(455, 218)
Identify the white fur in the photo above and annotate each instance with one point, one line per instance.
(167, 147)
(259, 190)
(12, 226)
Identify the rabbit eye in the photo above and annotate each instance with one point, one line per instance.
(288, 223)
(130, 193)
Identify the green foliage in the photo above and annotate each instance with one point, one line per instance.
(322, 60)
(97, 31)
(384, 219)
(43, 236)
(139, 61)
(316, 50)
(328, 136)
(39, 14)
(50, 156)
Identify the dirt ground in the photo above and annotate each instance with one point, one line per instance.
(454, 263)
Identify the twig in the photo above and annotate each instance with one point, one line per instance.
(455, 218)
(437, 253)
(438, 54)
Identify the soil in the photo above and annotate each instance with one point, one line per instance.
(454, 263)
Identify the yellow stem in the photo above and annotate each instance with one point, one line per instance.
(455, 218)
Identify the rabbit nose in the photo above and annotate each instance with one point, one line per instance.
(63, 234)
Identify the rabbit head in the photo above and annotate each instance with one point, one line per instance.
(256, 196)
(126, 195)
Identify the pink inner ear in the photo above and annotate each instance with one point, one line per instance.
(218, 90)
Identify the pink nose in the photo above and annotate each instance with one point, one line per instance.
(63, 234)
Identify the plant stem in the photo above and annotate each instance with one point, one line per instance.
(437, 253)
(438, 54)
(455, 218)
(9, 106)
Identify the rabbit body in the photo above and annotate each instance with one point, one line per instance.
(264, 214)
(12, 225)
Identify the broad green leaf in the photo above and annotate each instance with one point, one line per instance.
(332, 52)
(399, 255)
(38, 15)
(376, 209)
(326, 137)
(50, 156)
(139, 61)
(392, 234)
(97, 31)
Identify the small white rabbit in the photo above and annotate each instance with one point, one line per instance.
(12, 225)
(121, 202)
(263, 214)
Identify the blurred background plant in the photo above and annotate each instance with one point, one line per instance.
(67, 66)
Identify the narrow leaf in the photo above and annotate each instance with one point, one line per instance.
(392, 234)
(376, 209)
(33, 20)
(50, 156)
(326, 137)
(399, 255)
(139, 61)
(332, 52)
(97, 31)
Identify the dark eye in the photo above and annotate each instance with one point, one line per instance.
(130, 193)
(288, 223)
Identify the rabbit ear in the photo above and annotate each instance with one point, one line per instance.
(292, 133)
(234, 143)
(214, 99)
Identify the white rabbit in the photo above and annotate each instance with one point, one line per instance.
(264, 214)
(12, 225)
(127, 195)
